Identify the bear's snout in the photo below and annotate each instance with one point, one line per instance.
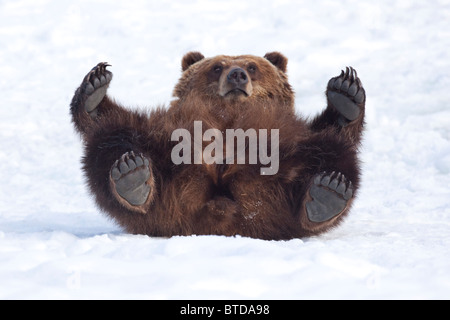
(237, 76)
(235, 83)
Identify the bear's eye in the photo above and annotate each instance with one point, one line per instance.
(251, 68)
(215, 72)
(218, 68)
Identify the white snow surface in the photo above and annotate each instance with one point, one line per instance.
(56, 244)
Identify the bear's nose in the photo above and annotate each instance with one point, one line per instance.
(237, 76)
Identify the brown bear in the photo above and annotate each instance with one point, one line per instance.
(178, 170)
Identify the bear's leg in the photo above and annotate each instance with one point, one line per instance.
(326, 172)
(132, 181)
(90, 97)
(119, 168)
(346, 99)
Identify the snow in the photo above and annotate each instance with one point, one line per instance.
(54, 242)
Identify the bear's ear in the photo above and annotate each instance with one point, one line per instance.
(190, 58)
(278, 60)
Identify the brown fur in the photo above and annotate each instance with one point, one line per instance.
(219, 199)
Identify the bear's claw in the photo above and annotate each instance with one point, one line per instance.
(347, 95)
(95, 84)
(330, 195)
(130, 176)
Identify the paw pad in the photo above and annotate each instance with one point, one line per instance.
(130, 175)
(346, 93)
(330, 194)
(95, 84)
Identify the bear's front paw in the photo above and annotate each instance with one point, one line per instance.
(132, 180)
(346, 94)
(94, 85)
(330, 194)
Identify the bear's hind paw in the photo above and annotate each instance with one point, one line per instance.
(330, 195)
(132, 181)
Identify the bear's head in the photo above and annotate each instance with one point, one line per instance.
(228, 79)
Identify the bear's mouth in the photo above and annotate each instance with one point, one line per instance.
(237, 92)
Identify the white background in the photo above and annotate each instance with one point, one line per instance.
(54, 242)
